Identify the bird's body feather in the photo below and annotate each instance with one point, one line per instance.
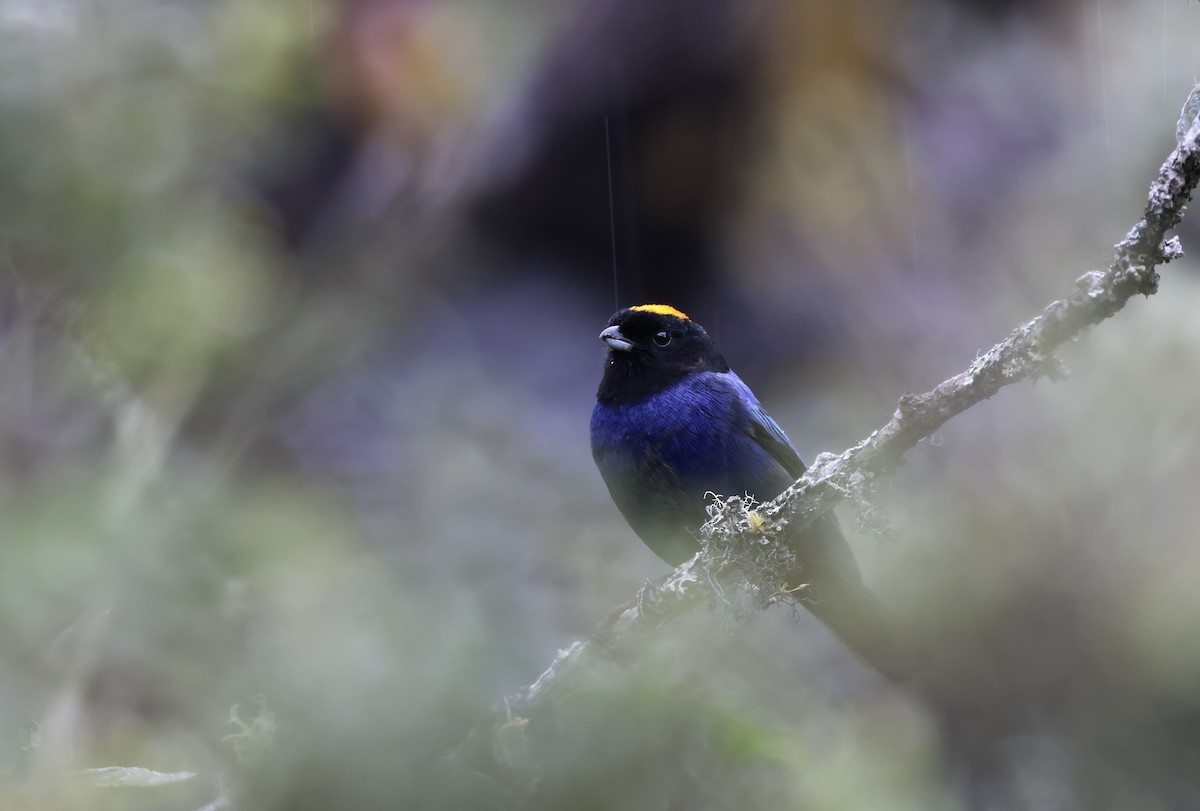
(661, 455)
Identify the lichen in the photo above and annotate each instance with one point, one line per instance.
(746, 555)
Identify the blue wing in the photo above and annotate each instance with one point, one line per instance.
(767, 433)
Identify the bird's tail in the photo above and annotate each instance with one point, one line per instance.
(837, 596)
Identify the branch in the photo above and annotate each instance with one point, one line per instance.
(1025, 354)
(739, 537)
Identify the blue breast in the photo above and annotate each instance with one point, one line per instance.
(662, 454)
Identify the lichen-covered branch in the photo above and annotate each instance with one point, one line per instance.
(1026, 353)
(740, 539)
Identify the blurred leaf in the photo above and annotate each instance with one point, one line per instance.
(512, 743)
(133, 777)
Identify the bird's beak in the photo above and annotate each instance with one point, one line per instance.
(615, 340)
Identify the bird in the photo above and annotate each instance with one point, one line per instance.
(672, 422)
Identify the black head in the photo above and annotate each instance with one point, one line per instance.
(652, 347)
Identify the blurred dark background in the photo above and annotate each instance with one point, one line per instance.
(298, 317)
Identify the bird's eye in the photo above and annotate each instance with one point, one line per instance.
(662, 338)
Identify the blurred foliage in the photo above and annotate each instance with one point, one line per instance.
(298, 304)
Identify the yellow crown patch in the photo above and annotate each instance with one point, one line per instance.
(660, 309)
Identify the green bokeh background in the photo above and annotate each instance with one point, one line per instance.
(285, 524)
